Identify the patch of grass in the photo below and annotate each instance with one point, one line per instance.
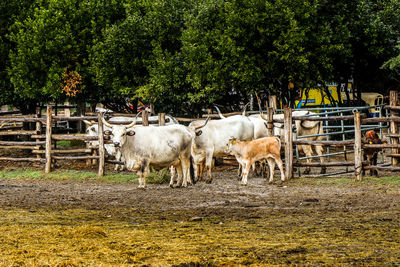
(389, 180)
(70, 144)
(17, 174)
(158, 177)
(324, 181)
(346, 181)
(69, 175)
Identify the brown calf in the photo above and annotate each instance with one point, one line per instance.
(371, 154)
(248, 152)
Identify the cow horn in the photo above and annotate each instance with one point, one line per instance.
(219, 113)
(88, 123)
(137, 115)
(131, 124)
(244, 109)
(201, 126)
(106, 123)
(263, 116)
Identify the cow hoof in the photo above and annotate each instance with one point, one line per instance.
(208, 181)
(171, 185)
(323, 170)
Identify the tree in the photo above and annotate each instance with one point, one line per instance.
(374, 36)
(139, 57)
(10, 11)
(55, 39)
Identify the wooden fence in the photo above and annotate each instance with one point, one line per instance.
(42, 139)
(358, 163)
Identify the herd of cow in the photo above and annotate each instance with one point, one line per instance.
(178, 146)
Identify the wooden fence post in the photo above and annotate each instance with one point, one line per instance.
(101, 145)
(394, 129)
(161, 119)
(145, 118)
(272, 102)
(38, 127)
(48, 139)
(270, 124)
(357, 147)
(288, 130)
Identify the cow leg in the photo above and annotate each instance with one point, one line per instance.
(209, 159)
(196, 170)
(271, 165)
(240, 171)
(246, 168)
(255, 168)
(172, 170)
(374, 172)
(144, 170)
(185, 163)
(308, 152)
(365, 158)
(320, 152)
(94, 161)
(278, 161)
(202, 166)
(264, 169)
(118, 158)
(375, 163)
(180, 173)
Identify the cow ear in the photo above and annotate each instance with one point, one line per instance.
(198, 133)
(131, 133)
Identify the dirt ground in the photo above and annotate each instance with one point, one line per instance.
(298, 212)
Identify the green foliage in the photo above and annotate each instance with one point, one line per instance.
(10, 12)
(56, 36)
(158, 177)
(184, 55)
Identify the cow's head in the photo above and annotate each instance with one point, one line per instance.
(196, 129)
(118, 133)
(231, 143)
(91, 128)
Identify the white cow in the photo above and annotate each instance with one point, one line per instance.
(210, 141)
(307, 127)
(157, 147)
(92, 130)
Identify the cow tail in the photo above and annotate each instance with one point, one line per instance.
(192, 170)
(279, 140)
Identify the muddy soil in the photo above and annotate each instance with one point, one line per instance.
(225, 197)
